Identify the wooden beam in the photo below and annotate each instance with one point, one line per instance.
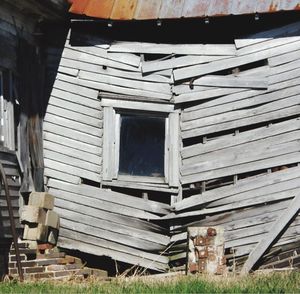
(274, 232)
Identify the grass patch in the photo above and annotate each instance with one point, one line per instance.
(258, 283)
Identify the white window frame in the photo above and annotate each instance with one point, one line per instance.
(111, 141)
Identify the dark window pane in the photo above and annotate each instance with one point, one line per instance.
(142, 145)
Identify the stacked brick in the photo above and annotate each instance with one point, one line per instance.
(41, 262)
(41, 222)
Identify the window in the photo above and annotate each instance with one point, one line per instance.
(140, 142)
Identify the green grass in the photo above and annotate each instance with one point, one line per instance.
(259, 283)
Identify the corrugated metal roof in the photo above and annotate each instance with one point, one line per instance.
(168, 9)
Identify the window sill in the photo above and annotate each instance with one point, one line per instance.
(160, 187)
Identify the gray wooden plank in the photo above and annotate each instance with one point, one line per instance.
(245, 94)
(68, 71)
(208, 94)
(285, 76)
(72, 115)
(108, 195)
(112, 88)
(276, 187)
(240, 43)
(73, 106)
(262, 151)
(191, 49)
(67, 240)
(279, 196)
(276, 229)
(284, 58)
(55, 174)
(182, 61)
(268, 44)
(72, 170)
(138, 105)
(140, 186)
(232, 82)
(75, 88)
(63, 142)
(132, 84)
(88, 58)
(70, 151)
(87, 67)
(243, 186)
(64, 211)
(263, 117)
(74, 98)
(198, 70)
(115, 219)
(284, 67)
(174, 150)
(103, 204)
(81, 225)
(73, 125)
(246, 99)
(108, 143)
(73, 161)
(257, 145)
(126, 58)
(242, 138)
(242, 113)
(243, 168)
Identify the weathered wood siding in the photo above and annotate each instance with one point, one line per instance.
(239, 112)
(10, 164)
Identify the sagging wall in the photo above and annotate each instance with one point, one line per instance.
(239, 114)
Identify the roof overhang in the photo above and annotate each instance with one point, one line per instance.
(175, 9)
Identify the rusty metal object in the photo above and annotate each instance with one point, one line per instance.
(199, 241)
(211, 232)
(193, 267)
(12, 221)
(201, 265)
(172, 9)
(206, 250)
(202, 253)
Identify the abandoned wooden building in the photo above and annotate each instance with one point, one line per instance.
(165, 115)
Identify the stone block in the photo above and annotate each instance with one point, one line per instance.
(52, 219)
(41, 199)
(38, 232)
(33, 214)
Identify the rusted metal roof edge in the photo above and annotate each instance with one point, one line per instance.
(176, 9)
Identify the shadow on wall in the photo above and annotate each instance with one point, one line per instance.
(37, 69)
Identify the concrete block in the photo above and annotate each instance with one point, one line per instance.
(38, 232)
(41, 199)
(32, 214)
(52, 219)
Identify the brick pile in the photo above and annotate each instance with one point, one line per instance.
(40, 258)
(45, 262)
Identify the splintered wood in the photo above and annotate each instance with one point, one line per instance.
(206, 250)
